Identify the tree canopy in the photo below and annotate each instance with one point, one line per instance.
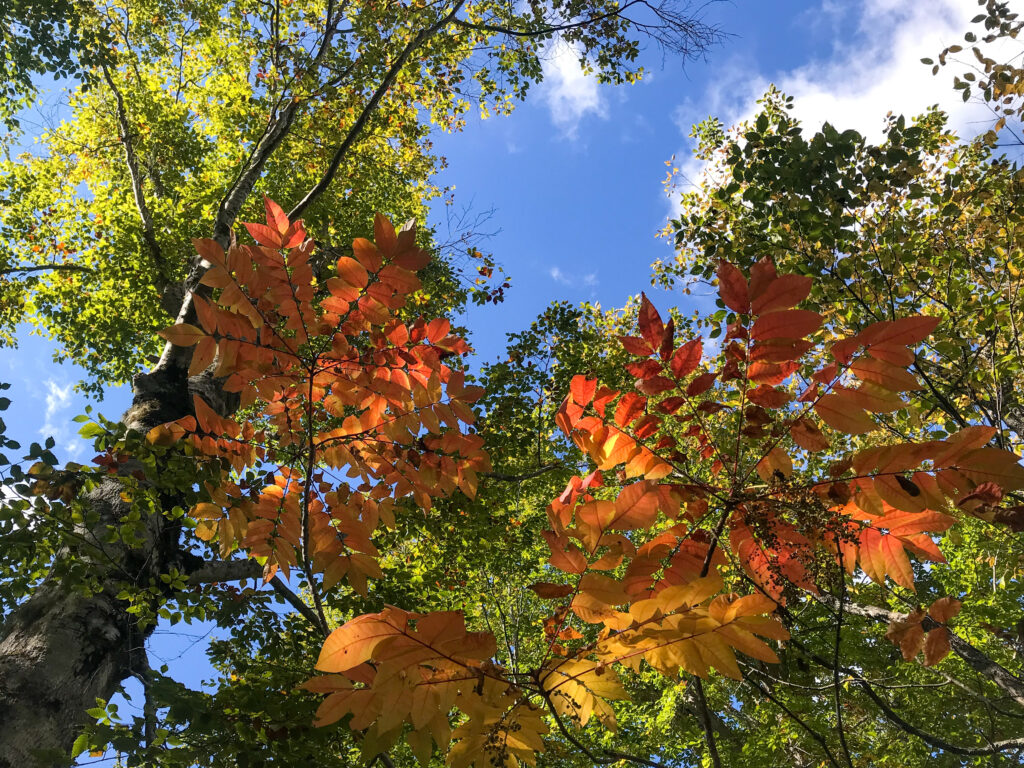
(782, 532)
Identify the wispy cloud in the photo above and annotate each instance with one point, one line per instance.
(589, 279)
(570, 94)
(58, 400)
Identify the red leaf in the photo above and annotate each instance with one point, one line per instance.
(650, 324)
(602, 397)
(771, 373)
(905, 331)
(686, 359)
(782, 293)
(655, 385)
(276, 217)
(732, 287)
(790, 324)
(630, 406)
(264, 235)
(701, 384)
(582, 389)
(636, 346)
(762, 275)
(665, 351)
(768, 396)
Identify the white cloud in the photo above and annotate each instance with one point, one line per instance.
(874, 67)
(569, 93)
(58, 399)
(589, 279)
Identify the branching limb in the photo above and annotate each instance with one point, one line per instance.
(225, 570)
(705, 721)
(609, 755)
(135, 177)
(357, 127)
(979, 662)
(297, 603)
(765, 691)
(239, 570)
(507, 478)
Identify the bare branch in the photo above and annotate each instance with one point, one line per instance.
(225, 570)
(47, 267)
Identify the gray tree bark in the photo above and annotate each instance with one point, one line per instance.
(61, 650)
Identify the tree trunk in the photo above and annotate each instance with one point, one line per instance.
(61, 650)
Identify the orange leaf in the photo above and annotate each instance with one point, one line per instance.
(686, 358)
(352, 272)
(839, 414)
(203, 356)
(276, 218)
(649, 321)
(264, 235)
(545, 590)
(936, 646)
(582, 389)
(182, 334)
(908, 634)
(782, 293)
(806, 434)
(904, 331)
(884, 374)
(944, 609)
(635, 507)
(732, 287)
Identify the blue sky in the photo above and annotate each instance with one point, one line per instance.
(575, 175)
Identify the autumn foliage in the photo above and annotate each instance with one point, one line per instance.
(353, 409)
(734, 469)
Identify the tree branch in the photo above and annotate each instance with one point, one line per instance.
(524, 476)
(296, 602)
(933, 741)
(47, 267)
(611, 755)
(225, 570)
(978, 661)
(134, 175)
(357, 127)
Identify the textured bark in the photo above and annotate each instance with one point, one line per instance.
(60, 653)
(60, 650)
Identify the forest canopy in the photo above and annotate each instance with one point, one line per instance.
(764, 511)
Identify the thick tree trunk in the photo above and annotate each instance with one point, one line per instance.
(60, 650)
